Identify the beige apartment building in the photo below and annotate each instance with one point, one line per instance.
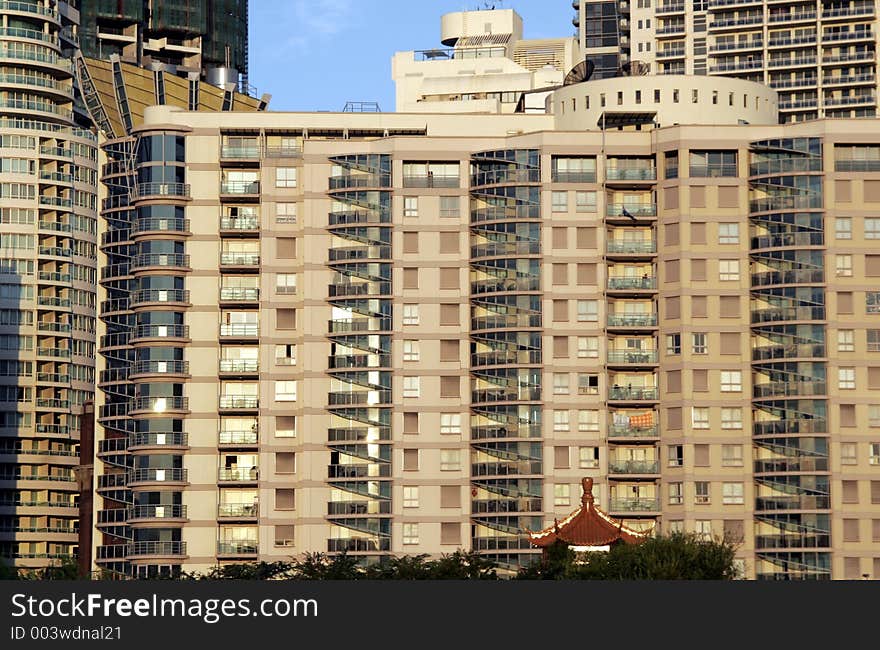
(414, 333)
(820, 56)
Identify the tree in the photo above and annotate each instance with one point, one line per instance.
(463, 565)
(318, 566)
(244, 571)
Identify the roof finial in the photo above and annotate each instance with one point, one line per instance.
(587, 497)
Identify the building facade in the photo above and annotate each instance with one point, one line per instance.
(48, 227)
(206, 37)
(392, 333)
(820, 56)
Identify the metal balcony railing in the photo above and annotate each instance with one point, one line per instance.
(632, 357)
(156, 475)
(632, 320)
(619, 394)
(239, 402)
(156, 548)
(627, 431)
(239, 365)
(238, 475)
(249, 437)
(240, 187)
(240, 330)
(618, 283)
(171, 511)
(238, 510)
(158, 439)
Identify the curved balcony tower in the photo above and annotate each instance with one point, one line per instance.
(360, 400)
(789, 400)
(506, 362)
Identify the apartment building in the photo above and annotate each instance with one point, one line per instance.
(820, 56)
(413, 333)
(48, 234)
(208, 38)
(485, 65)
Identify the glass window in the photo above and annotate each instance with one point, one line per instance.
(844, 266)
(561, 494)
(450, 423)
(873, 340)
(872, 302)
(450, 206)
(846, 378)
(676, 455)
(411, 386)
(285, 212)
(728, 270)
(699, 343)
(676, 494)
(410, 206)
(285, 354)
(728, 233)
(410, 496)
(410, 314)
(874, 415)
(731, 418)
(671, 164)
(410, 350)
(285, 391)
(588, 457)
(588, 310)
(701, 492)
(285, 283)
(846, 341)
(731, 381)
(706, 164)
(673, 344)
(588, 420)
(703, 529)
(450, 460)
(848, 453)
(732, 493)
(585, 201)
(874, 453)
(731, 455)
(700, 417)
(872, 228)
(410, 533)
(588, 347)
(560, 421)
(843, 228)
(285, 177)
(560, 201)
(560, 383)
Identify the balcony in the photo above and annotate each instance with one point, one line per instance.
(148, 512)
(798, 464)
(159, 368)
(360, 398)
(239, 402)
(238, 548)
(238, 475)
(677, 29)
(633, 467)
(632, 357)
(629, 432)
(752, 44)
(357, 253)
(507, 468)
(505, 176)
(358, 434)
(805, 502)
(143, 191)
(160, 332)
(810, 39)
(776, 427)
(240, 188)
(239, 294)
(238, 510)
(671, 53)
(239, 366)
(742, 21)
(143, 297)
(153, 475)
(777, 203)
(630, 174)
(790, 62)
(789, 389)
(632, 321)
(500, 285)
(161, 260)
(634, 394)
(737, 66)
(240, 259)
(358, 545)
(145, 225)
(855, 35)
(775, 314)
(514, 321)
(240, 225)
(373, 470)
(794, 276)
(150, 549)
(432, 180)
(850, 101)
(790, 351)
(232, 438)
(355, 325)
(357, 217)
(240, 330)
(348, 361)
(355, 181)
(346, 289)
(524, 504)
(632, 284)
(633, 505)
(157, 440)
(355, 508)
(246, 152)
(521, 394)
(793, 540)
(631, 211)
(506, 358)
(573, 177)
(506, 214)
(787, 239)
(53, 301)
(158, 404)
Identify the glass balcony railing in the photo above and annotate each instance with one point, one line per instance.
(238, 475)
(630, 248)
(497, 321)
(242, 152)
(157, 475)
(792, 351)
(499, 176)
(239, 365)
(631, 174)
(238, 224)
(804, 502)
(628, 431)
(156, 548)
(776, 427)
(633, 467)
(775, 314)
(793, 540)
(632, 320)
(507, 468)
(240, 187)
(158, 404)
(158, 439)
(159, 367)
(239, 510)
(619, 283)
(144, 225)
(789, 389)
(632, 356)
(358, 545)
(240, 294)
(524, 393)
(143, 190)
(144, 296)
(781, 465)
(493, 432)
(238, 547)
(156, 512)
(239, 402)
(245, 437)
(620, 393)
(350, 398)
(525, 504)
(239, 259)
(346, 181)
(354, 508)
(793, 276)
(240, 330)
(372, 470)
(640, 504)
(631, 210)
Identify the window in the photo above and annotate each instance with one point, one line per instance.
(872, 302)
(410, 460)
(731, 381)
(410, 350)
(450, 423)
(731, 455)
(410, 314)
(561, 494)
(285, 212)
(874, 415)
(728, 233)
(711, 164)
(410, 206)
(588, 420)
(673, 344)
(698, 345)
(732, 493)
(410, 533)
(285, 354)
(873, 337)
(848, 453)
(846, 378)
(285, 283)
(450, 460)
(588, 384)
(846, 341)
(676, 494)
(872, 228)
(588, 347)
(843, 228)
(410, 497)
(676, 455)
(285, 391)
(671, 164)
(874, 453)
(588, 310)
(844, 266)
(731, 418)
(728, 270)
(285, 426)
(588, 457)
(560, 383)
(585, 201)
(701, 492)
(410, 386)
(450, 207)
(703, 528)
(560, 201)
(560, 421)
(700, 417)
(284, 535)
(285, 177)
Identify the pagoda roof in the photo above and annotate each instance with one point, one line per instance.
(587, 526)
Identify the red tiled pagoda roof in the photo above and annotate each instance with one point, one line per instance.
(587, 526)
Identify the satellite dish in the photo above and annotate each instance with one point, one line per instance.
(581, 72)
(634, 69)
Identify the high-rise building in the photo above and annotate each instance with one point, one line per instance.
(484, 66)
(820, 56)
(48, 233)
(208, 37)
(399, 333)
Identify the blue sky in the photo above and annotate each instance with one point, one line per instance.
(318, 54)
